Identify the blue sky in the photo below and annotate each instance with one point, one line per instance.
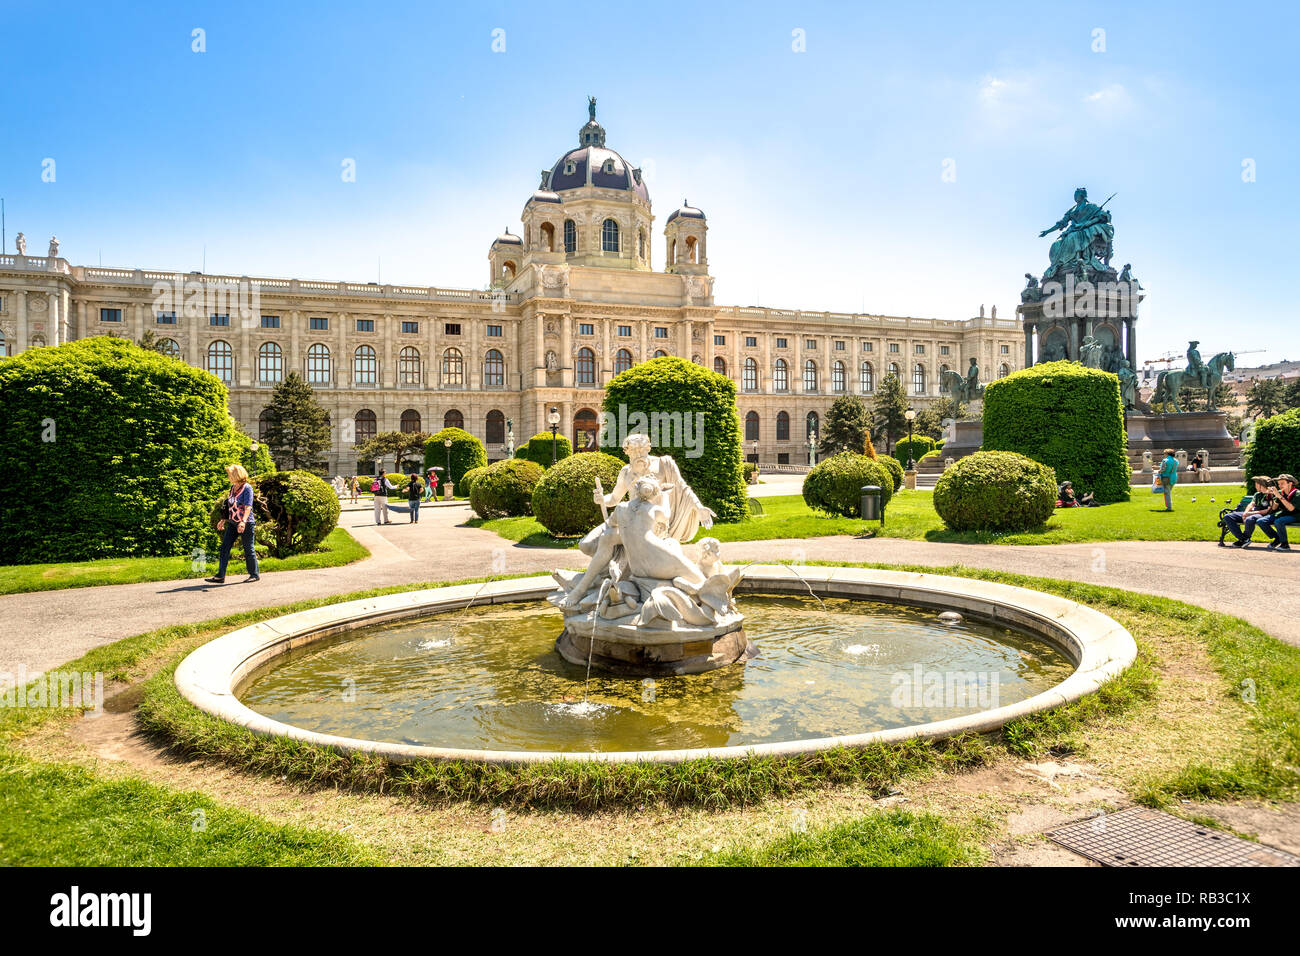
(821, 171)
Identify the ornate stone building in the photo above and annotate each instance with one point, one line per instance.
(570, 303)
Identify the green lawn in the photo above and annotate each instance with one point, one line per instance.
(338, 548)
(911, 514)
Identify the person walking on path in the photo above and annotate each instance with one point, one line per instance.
(431, 486)
(1167, 478)
(1285, 502)
(381, 486)
(356, 488)
(413, 493)
(237, 523)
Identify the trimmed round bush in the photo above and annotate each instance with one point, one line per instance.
(122, 447)
(916, 448)
(1066, 416)
(505, 489)
(894, 467)
(538, 449)
(995, 491)
(835, 485)
(466, 483)
(689, 412)
(295, 510)
(562, 499)
(1275, 449)
(466, 453)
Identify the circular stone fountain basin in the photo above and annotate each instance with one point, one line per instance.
(470, 672)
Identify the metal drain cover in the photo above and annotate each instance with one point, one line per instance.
(1141, 837)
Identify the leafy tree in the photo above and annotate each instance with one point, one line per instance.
(929, 420)
(402, 446)
(847, 426)
(1292, 397)
(152, 342)
(889, 411)
(297, 426)
(1266, 397)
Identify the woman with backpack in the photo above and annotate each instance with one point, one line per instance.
(380, 488)
(238, 523)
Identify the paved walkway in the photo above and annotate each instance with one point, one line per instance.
(43, 630)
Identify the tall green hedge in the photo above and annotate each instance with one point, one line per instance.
(466, 452)
(1275, 448)
(913, 448)
(108, 450)
(255, 456)
(1066, 416)
(671, 389)
(538, 449)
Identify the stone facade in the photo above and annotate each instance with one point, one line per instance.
(552, 327)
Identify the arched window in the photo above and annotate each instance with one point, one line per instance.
(570, 237)
(720, 365)
(918, 379)
(894, 370)
(660, 353)
(609, 236)
(548, 237)
(270, 362)
(410, 421)
(494, 370)
(868, 381)
(810, 376)
(640, 243)
(365, 368)
(453, 419)
(168, 347)
(622, 361)
(318, 364)
(408, 366)
(585, 427)
(837, 377)
(751, 375)
(507, 270)
(1003, 370)
(672, 252)
(781, 376)
(751, 426)
(782, 426)
(812, 425)
(692, 253)
(4, 344)
(365, 426)
(263, 423)
(220, 360)
(453, 368)
(495, 431)
(586, 367)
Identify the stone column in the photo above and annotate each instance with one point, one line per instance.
(1029, 345)
(566, 349)
(20, 312)
(52, 311)
(1130, 336)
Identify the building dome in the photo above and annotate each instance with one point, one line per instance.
(685, 211)
(593, 164)
(508, 238)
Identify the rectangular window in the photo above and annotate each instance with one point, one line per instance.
(219, 318)
(625, 331)
(494, 331)
(451, 328)
(782, 344)
(586, 328)
(410, 328)
(1005, 350)
(839, 346)
(866, 347)
(893, 346)
(944, 350)
(661, 332)
(365, 325)
(783, 458)
(920, 350)
(270, 321)
(166, 318)
(751, 341)
(810, 343)
(110, 315)
(318, 325)
(719, 340)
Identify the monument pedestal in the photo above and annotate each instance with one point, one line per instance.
(967, 437)
(1194, 430)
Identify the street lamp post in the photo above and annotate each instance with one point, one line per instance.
(553, 419)
(446, 443)
(911, 417)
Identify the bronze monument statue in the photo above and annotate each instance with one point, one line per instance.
(1085, 243)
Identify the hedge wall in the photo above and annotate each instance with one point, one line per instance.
(711, 461)
(1066, 416)
(1275, 449)
(108, 450)
(466, 452)
(538, 449)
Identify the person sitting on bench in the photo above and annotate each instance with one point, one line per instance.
(1241, 524)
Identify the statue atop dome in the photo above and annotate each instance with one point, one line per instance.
(591, 108)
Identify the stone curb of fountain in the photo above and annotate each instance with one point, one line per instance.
(212, 675)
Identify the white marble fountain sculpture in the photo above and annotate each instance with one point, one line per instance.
(643, 607)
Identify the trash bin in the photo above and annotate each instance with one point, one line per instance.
(872, 509)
